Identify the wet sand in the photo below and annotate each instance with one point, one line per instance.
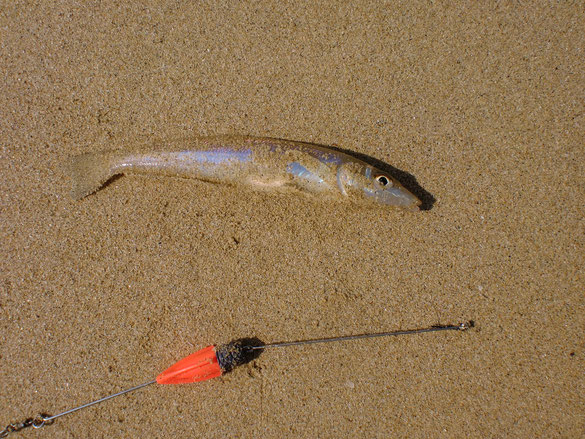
(481, 105)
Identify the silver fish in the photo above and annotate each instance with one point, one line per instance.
(261, 163)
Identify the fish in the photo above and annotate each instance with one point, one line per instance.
(260, 163)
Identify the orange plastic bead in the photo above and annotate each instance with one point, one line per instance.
(199, 366)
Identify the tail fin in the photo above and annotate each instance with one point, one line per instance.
(89, 172)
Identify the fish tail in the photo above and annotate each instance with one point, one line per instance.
(89, 172)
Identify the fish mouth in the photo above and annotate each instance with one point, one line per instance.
(398, 196)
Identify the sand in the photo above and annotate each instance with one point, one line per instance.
(481, 104)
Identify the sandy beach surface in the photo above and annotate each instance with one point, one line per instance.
(482, 104)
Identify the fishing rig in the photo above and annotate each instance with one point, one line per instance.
(215, 360)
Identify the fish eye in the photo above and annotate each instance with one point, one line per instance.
(383, 180)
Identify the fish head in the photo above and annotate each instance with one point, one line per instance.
(368, 184)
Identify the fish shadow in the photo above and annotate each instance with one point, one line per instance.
(406, 179)
(110, 181)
